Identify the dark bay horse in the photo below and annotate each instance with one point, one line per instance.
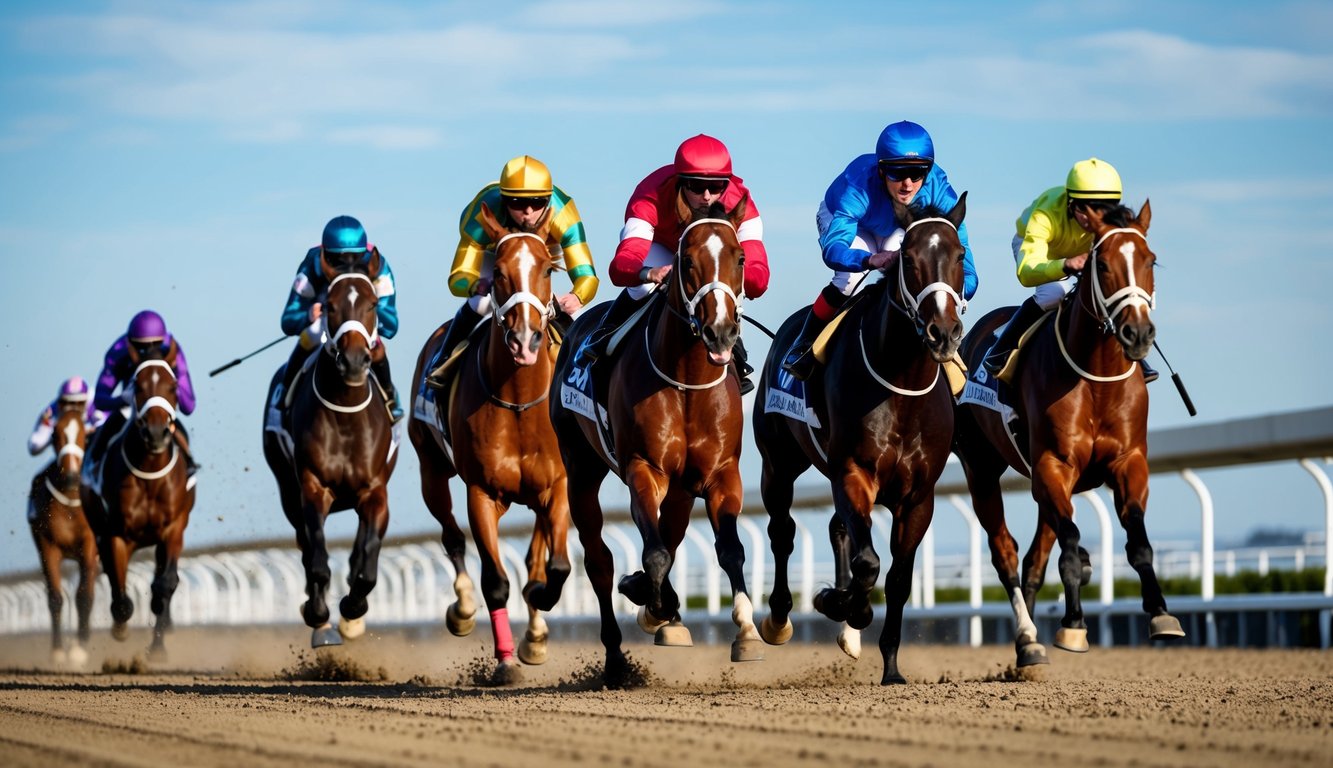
(146, 494)
(342, 454)
(503, 446)
(885, 416)
(61, 532)
(675, 413)
(1082, 409)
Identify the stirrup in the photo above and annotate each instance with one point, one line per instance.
(436, 378)
(800, 365)
(1150, 373)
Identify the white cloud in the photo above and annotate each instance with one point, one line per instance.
(584, 14)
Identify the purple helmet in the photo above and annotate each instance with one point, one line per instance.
(147, 326)
(74, 389)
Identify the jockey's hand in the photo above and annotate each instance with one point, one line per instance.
(569, 304)
(882, 259)
(316, 311)
(1074, 264)
(481, 287)
(659, 275)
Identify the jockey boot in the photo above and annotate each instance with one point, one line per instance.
(464, 321)
(594, 347)
(740, 359)
(380, 368)
(182, 438)
(1149, 372)
(998, 355)
(800, 362)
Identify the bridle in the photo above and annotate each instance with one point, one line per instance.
(141, 410)
(911, 305)
(690, 316)
(371, 335)
(1106, 308)
(520, 298)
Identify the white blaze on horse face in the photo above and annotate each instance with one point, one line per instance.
(351, 299)
(714, 247)
(527, 262)
(71, 432)
(1127, 250)
(934, 241)
(154, 379)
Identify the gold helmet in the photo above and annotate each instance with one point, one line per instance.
(1093, 179)
(525, 176)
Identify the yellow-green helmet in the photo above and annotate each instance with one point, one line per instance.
(1093, 179)
(525, 176)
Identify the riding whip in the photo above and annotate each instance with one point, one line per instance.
(243, 358)
(760, 326)
(1175, 379)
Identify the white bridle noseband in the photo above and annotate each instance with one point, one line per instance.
(914, 302)
(352, 326)
(1132, 295)
(156, 401)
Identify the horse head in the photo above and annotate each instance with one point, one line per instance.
(351, 319)
(154, 387)
(708, 277)
(1117, 281)
(521, 285)
(68, 441)
(930, 275)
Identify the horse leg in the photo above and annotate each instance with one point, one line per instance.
(1131, 498)
(855, 499)
(648, 490)
(909, 527)
(483, 514)
(116, 553)
(833, 601)
(776, 487)
(1034, 563)
(983, 481)
(435, 473)
(315, 503)
(724, 505)
(373, 520)
(585, 474)
(165, 581)
(1051, 486)
(547, 574)
(55, 600)
(83, 601)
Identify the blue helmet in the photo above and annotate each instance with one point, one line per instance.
(344, 234)
(905, 143)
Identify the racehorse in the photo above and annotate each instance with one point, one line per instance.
(145, 494)
(60, 531)
(503, 446)
(342, 453)
(884, 416)
(675, 414)
(1082, 422)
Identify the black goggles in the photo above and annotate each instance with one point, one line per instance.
(700, 186)
(902, 172)
(524, 203)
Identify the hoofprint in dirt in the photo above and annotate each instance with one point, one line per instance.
(250, 697)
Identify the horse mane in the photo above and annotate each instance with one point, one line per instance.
(1120, 216)
(923, 210)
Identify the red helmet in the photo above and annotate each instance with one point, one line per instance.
(703, 156)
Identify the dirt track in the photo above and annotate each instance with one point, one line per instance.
(244, 697)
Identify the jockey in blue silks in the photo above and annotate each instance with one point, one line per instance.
(858, 231)
(344, 246)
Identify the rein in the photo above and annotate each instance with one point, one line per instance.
(1060, 341)
(142, 475)
(314, 387)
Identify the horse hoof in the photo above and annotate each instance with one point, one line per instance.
(458, 624)
(352, 629)
(77, 656)
(892, 678)
(649, 623)
(775, 635)
(120, 631)
(506, 672)
(325, 636)
(1032, 654)
(157, 653)
(59, 657)
(747, 649)
(673, 634)
(1164, 627)
(1072, 640)
(849, 640)
(532, 652)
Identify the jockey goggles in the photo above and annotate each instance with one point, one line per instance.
(915, 172)
(699, 185)
(524, 203)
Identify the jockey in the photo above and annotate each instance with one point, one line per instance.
(700, 176)
(522, 199)
(73, 394)
(147, 332)
(858, 231)
(343, 248)
(1053, 240)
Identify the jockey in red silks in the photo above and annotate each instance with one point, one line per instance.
(73, 394)
(700, 176)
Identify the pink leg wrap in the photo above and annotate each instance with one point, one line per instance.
(504, 638)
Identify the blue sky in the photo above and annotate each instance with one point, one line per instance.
(182, 156)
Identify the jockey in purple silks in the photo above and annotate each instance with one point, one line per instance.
(73, 394)
(147, 333)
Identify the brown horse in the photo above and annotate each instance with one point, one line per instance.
(342, 453)
(504, 447)
(146, 494)
(885, 423)
(675, 413)
(1082, 422)
(61, 532)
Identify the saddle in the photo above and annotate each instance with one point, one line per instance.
(1009, 374)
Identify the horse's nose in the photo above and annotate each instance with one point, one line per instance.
(535, 343)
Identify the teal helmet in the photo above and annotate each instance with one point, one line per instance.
(344, 234)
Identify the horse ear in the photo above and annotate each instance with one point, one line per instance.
(171, 354)
(376, 263)
(489, 224)
(683, 213)
(132, 353)
(1145, 215)
(737, 214)
(956, 215)
(325, 268)
(543, 228)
